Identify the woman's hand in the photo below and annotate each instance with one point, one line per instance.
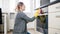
(37, 13)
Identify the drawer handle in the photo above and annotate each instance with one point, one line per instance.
(57, 16)
(58, 7)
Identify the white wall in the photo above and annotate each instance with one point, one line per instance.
(0, 3)
(5, 5)
(37, 3)
(12, 5)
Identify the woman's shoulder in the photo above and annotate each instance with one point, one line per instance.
(20, 13)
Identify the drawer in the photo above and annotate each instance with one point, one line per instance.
(54, 7)
(53, 31)
(54, 20)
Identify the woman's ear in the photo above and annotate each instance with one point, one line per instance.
(20, 7)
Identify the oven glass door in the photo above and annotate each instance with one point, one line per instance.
(42, 24)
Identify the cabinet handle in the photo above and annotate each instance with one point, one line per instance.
(57, 16)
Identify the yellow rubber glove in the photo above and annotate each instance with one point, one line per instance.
(37, 13)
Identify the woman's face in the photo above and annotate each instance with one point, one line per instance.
(22, 7)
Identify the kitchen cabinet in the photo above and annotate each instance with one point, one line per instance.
(54, 19)
(53, 31)
(54, 8)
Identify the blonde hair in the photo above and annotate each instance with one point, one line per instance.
(18, 6)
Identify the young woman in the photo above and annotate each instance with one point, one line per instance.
(21, 20)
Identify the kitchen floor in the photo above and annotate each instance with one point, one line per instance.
(30, 31)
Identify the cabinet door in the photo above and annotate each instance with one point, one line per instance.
(54, 8)
(54, 20)
(4, 28)
(53, 31)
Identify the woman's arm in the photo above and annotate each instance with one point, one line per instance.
(26, 18)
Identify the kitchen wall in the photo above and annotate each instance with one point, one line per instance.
(0, 3)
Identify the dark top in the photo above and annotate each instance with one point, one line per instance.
(21, 22)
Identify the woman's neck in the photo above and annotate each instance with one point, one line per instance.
(20, 11)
